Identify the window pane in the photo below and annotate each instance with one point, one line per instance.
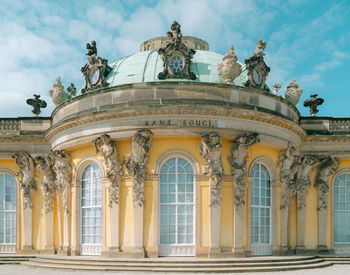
(342, 209)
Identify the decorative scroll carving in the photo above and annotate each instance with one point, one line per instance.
(229, 69)
(44, 165)
(72, 90)
(176, 56)
(286, 159)
(299, 180)
(238, 162)
(95, 69)
(25, 177)
(257, 68)
(105, 146)
(37, 104)
(61, 166)
(211, 151)
(327, 167)
(58, 95)
(136, 165)
(293, 93)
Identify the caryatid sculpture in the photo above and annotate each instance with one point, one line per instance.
(25, 177)
(44, 165)
(238, 162)
(286, 159)
(299, 178)
(105, 146)
(327, 167)
(136, 165)
(211, 151)
(61, 165)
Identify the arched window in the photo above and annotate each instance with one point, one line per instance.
(91, 210)
(341, 209)
(176, 208)
(261, 210)
(7, 212)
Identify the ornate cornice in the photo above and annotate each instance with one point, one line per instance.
(178, 110)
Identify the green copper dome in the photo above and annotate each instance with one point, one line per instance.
(146, 65)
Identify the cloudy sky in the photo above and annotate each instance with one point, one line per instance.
(307, 40)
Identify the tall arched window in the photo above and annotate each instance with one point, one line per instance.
(261, 210)
(7, 213)
(91, 210)
(176, 208)
(341, 209)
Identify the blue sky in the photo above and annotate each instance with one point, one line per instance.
(306, 40)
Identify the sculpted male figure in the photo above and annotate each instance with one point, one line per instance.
(238, 163)
(105, 146)
(211, 151)
(25, 177)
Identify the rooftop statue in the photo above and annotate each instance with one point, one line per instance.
(92, 49)
(229, 69)
(175, 33)
(313, 103)
(94, 69)
(293, 93)
(257, 68)
(58, 95)
(176, 56)
(37, 104)
(260, 47)
(276, 87)
(72, 90)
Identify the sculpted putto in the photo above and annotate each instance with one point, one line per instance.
(286, 159)
(211, 151)
(327, 167)
(44, 165)
(229, 69)
(105, 146)
(238, 163)
(260, 47)
(136, 165)
(61, 166)
(25, 177)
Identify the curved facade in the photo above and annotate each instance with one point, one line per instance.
(145, 167)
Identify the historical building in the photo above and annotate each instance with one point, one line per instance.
(175, 151)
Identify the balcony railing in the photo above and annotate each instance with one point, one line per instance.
(10, 125)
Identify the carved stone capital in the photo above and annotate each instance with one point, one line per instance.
(136, 165)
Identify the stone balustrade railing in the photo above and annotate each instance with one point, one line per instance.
(342, 125)
(10, 125)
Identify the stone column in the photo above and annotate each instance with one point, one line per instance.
(322, 230)
(49, 232)
(238, 222)
(215, 218)
(274, 198)
(138, 231)
(27, 216)
(114, 247)
(284, 209)
(300, 229)
(63, 226)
